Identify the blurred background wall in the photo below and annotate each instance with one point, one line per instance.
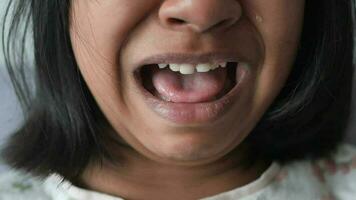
(2, 10)
(10, 112)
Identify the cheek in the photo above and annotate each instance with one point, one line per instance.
(279, 24)
(98, 30)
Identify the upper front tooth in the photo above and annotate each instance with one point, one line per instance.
(161, 66)
(187, 69)
(190, 68)
(174, 67)
(204, 67)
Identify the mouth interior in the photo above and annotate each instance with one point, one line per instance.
(145, 78)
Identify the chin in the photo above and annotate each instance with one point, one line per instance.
(189, 150)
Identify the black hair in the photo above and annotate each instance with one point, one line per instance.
(60, 133)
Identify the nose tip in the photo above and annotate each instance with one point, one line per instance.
(199, 15)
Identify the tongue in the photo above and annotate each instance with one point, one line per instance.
(193, 88)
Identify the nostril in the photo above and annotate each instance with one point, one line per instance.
(175, 21)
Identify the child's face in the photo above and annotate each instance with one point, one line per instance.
(112, 38)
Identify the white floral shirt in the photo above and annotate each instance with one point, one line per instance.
(333, 179)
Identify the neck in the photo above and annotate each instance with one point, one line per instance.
(138, 177)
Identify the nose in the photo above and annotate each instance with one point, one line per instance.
(199, 15)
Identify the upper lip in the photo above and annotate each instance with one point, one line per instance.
(184, 58)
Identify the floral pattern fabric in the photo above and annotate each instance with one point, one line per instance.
(324, 179)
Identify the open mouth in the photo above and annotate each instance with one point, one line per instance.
(188, 83)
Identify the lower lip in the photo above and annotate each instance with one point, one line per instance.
(196, 113)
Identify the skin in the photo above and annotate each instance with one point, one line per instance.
(160, 158)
